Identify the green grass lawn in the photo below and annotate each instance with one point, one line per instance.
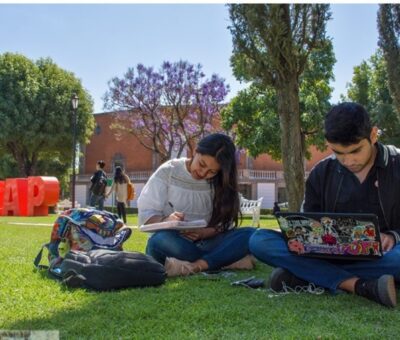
(196, 307)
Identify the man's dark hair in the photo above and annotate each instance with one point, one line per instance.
(347, 123)
(101, 164)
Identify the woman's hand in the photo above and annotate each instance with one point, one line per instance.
(175, 216)
(199, 234)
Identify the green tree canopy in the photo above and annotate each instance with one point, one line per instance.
(252, 114)
(36, 113)
(272, 46)
(370, 88)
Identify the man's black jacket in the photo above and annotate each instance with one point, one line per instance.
(324, 187)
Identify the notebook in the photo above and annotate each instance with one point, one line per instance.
(173, 225)
(332, 235)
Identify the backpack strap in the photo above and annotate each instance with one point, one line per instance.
(53, 269)
(389, 151)
(38, 258)
(73, 280)
(393, 151)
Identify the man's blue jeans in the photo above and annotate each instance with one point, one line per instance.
(96, 200)
(221, 250)
(270, 247)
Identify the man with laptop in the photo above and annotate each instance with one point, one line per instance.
(361, 177)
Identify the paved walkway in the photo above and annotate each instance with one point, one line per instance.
(51, 224)
(30, 223)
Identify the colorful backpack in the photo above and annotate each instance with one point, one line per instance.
(82, 229)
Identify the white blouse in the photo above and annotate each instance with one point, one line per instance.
(121, 190)
(172, 184)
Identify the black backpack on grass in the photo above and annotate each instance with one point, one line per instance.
(102, 269)
(85, 250)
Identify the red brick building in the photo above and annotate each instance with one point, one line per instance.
(259, 177)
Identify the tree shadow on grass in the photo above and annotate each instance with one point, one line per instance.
(203, 307)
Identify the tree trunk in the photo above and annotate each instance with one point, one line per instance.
(291, 141)
(26, 166)
(21, 166)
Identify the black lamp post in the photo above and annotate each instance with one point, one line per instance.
(74, 102)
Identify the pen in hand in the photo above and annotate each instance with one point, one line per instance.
(177, 214)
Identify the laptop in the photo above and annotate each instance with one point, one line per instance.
(332, 235)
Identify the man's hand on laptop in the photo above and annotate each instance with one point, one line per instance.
(387, 242)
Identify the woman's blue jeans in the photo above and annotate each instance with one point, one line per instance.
(221, 250)
(270, 247)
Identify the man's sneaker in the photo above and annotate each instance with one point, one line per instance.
(175, 267)
(281, 278)
(380, 290)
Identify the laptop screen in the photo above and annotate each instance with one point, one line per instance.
(332, 235)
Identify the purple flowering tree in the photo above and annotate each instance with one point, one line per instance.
(166, 110)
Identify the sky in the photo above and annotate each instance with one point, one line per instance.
(100, 41)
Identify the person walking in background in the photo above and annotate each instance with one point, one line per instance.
(276, 208)
(98, 187)
(120, 186)
(201, 187)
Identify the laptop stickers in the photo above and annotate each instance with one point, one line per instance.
(328, 235)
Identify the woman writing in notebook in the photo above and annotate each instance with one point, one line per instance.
(201, 187)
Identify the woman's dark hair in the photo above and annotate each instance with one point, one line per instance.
(347, 123)
(119, 176)
(226, 203)
(101, 164)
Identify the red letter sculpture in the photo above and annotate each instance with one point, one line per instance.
(30, 196)
(15, 195)
(42, 193)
